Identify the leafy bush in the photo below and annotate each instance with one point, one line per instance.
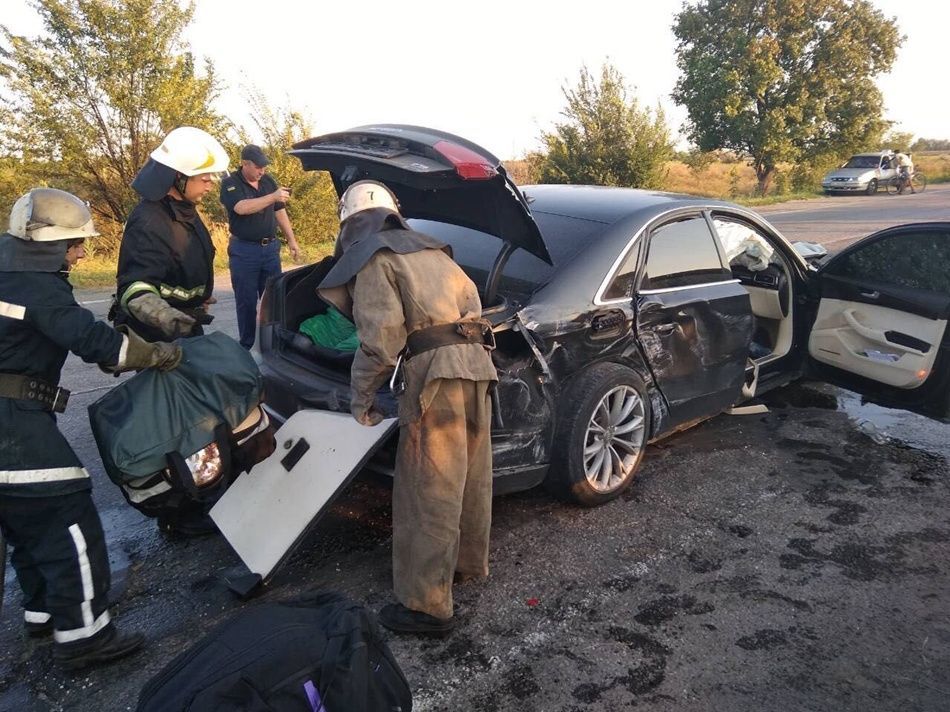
(606, 137)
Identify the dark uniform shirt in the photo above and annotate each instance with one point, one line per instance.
(40, 323)
(166, 249)
(256, 226)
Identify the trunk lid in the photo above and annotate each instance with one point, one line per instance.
(435, 175)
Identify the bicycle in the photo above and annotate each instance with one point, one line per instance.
(898, 184)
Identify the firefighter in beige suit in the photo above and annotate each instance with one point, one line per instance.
(408, 298)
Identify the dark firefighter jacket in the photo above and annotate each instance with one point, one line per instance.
(40, 323)
(166, 249)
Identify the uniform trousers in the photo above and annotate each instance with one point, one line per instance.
(442, 495)
(61, 563)
(251, 265)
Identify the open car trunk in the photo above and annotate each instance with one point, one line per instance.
(296, 291)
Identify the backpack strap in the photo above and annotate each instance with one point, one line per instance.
(331, 659)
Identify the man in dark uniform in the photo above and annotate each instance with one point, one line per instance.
(166, 259)
(46, 511)
(166, 264)
(256, 208)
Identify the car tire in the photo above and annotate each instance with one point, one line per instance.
(586, 468)
(872, 187)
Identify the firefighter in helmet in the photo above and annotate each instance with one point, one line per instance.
(416, 310)
(46, 508)
(165, 273)
(166, 259)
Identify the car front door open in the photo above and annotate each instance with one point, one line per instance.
(881, 326)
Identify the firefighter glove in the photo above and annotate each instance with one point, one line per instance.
(151, 309)
(367, 416)
(140, 354)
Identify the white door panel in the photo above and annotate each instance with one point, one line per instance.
(850, 336)
(267, 510)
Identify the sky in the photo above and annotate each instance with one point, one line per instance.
(491, 71)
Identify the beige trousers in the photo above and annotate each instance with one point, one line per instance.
(442, 495)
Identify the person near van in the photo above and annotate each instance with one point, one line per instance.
(905, 170)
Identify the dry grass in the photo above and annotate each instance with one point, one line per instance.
(718, 179)
(936, 167)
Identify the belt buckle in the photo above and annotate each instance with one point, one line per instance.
(489, 337)
(60, 399)
(266, 241)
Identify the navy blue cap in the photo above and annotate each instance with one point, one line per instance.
(255, 154)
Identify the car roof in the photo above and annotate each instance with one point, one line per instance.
(608, 204)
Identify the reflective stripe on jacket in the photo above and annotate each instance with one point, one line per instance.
(166, 249)
(39, 325)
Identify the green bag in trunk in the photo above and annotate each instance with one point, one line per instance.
(331, 330)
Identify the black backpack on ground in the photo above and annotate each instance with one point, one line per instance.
(319, 655)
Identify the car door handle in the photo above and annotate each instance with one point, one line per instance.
(874, 335)
(871, 295)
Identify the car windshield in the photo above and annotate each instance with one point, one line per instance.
(863, 162)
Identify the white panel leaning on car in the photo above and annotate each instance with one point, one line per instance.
(318, 453)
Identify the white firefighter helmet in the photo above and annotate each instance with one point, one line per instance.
(48, 214)
(191, 152)
(364, 195)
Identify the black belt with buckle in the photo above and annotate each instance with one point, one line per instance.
(263, 242)
(20, 387)
(476, 331)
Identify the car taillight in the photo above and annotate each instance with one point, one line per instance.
(205, 465)
(468, 164)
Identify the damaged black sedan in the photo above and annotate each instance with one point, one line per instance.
(620, 315)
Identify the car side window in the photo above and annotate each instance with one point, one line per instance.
(914, 260)
(621, 286)
(746, 249)
(683, 253)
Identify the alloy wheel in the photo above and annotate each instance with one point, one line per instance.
(614, 438)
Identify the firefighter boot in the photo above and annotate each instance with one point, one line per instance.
(111, 647)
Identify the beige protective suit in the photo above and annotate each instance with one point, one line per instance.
(443, 483)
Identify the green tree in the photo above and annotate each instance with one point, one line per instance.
(606, 138)
(900, 140)
(783, 80)
(931, 144)
(92, 96)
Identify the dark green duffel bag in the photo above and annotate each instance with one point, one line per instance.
(186, 432)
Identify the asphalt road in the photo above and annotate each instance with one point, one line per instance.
(836, 222)
(794, 560)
